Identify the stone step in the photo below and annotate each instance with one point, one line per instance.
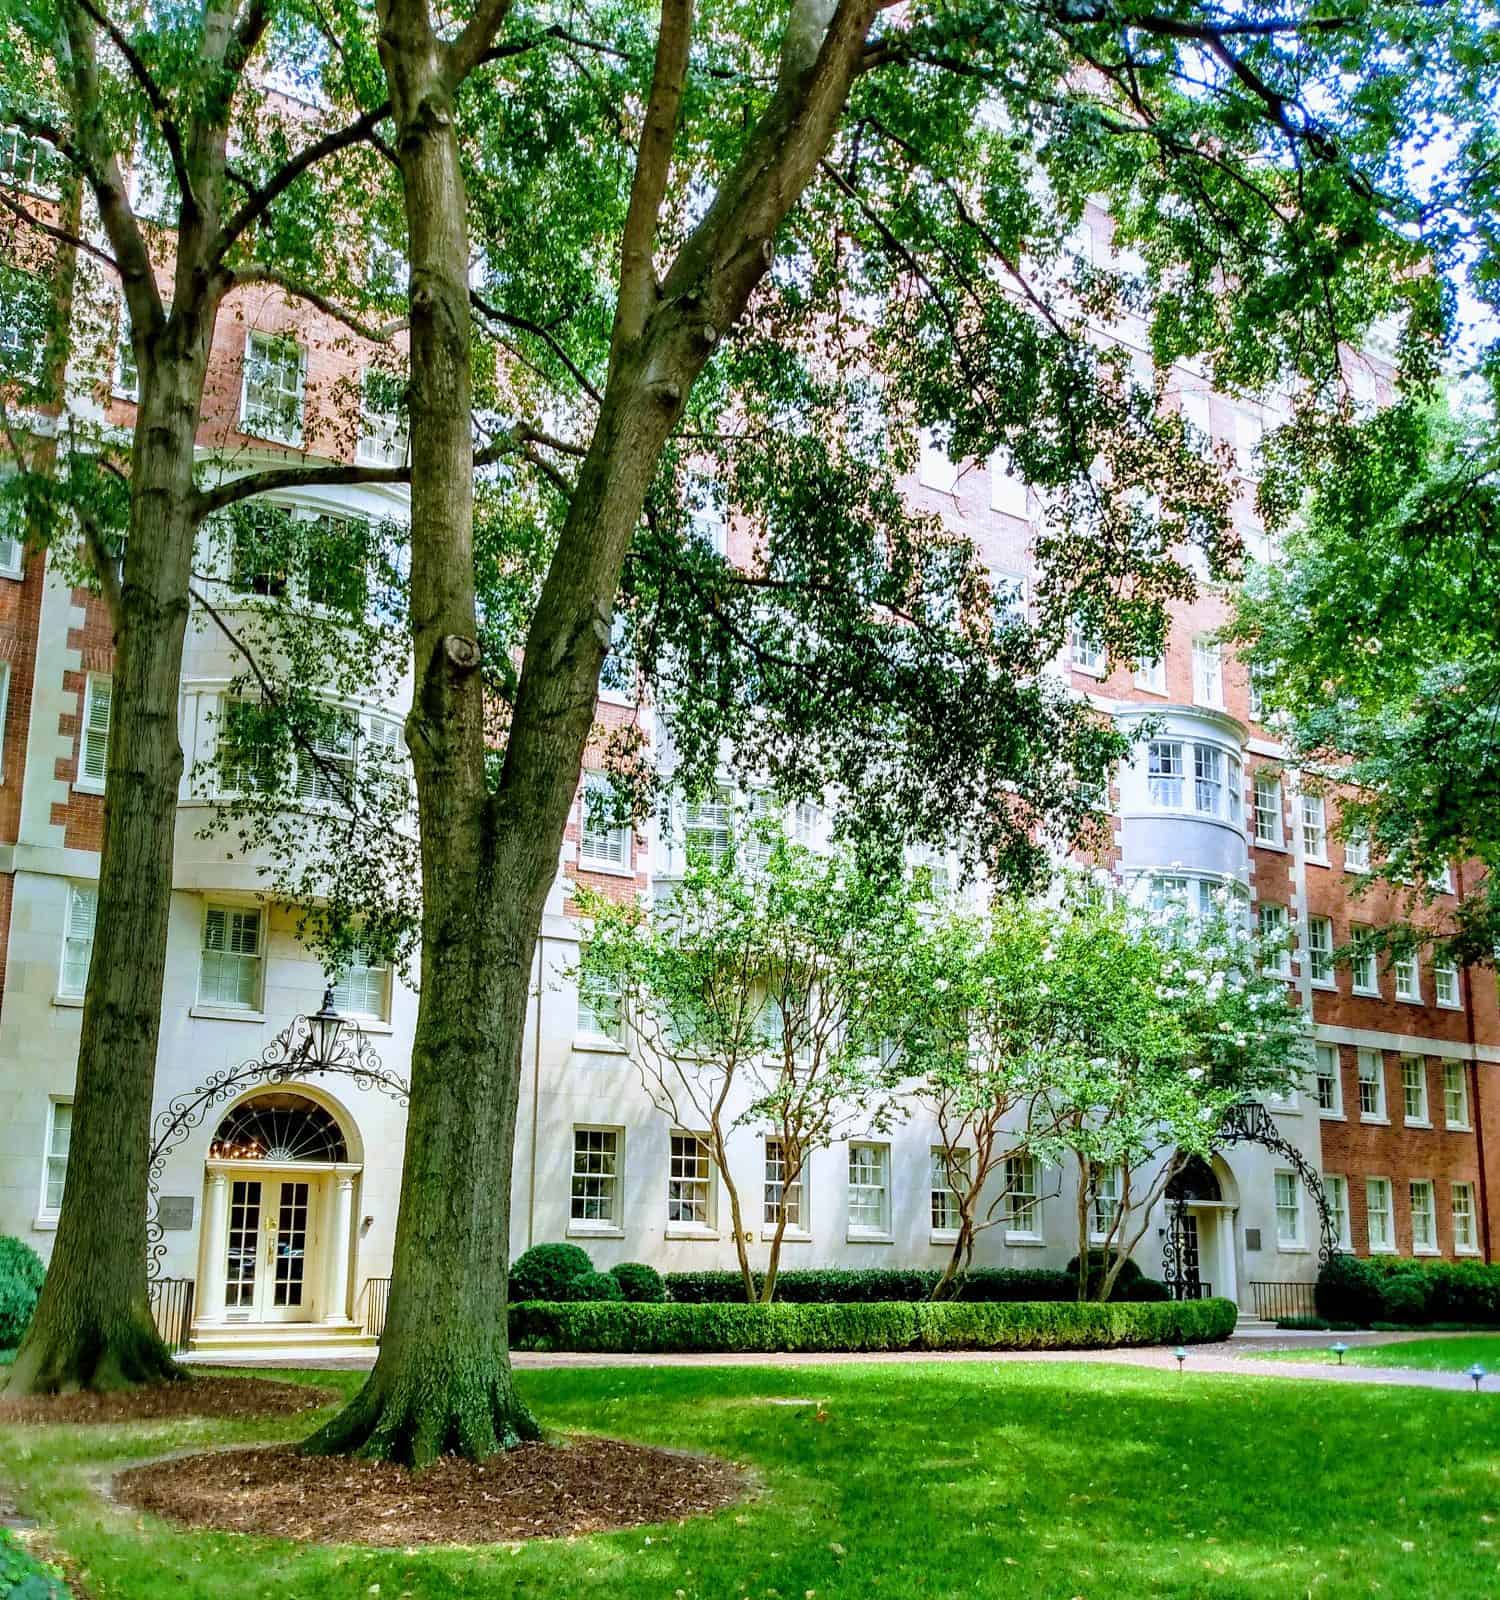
(287, 1335)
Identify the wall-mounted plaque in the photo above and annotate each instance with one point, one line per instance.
(175, 1212)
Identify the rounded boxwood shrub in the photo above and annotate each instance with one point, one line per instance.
(639, 1283)
(1144, 1291)
(21, 1274)
(592, 1286)
(545, 1270)
(1099, 1262)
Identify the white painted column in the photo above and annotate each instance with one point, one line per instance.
(339, 1237)
(215, 1215)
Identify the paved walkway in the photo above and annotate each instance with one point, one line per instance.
(1243, 1356)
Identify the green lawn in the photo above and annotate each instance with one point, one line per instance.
(1453, 1353)
(1034, 1481)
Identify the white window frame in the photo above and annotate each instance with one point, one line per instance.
(776, 1192)
(1208, 781)
(943, 1207)
(1271, 917)
(598, 1027)
(710, 823)
(1197, 416)
(1372, 1106)
(53, 1161)
(1456, 1071)
(1320, 953)
(80, 911)
(1270, 830)
(384, 436)
(1104, 1200)
(1328, 1069)
(256, 419)
(869, 1176)
(1312, 818)
(1357, 853)
(1446, 985)
(1465, 1218)
(1024, 1216)
(1151, 674)
(38, 153)
(598, 1166)
(1208, 673)
(1408, 971)
(373, 980)
(12, 535)
(1290, 1235)
(695, 1186)
(1414, 1088)
(95, 707)
(216, 1005)
(1254, 703)
(1385, 1211)
(1008, 598)
(935, 469)
(1085, 654)
(1336, 1193)
(4, 711)
(1166, 774)
(1427, 1244)
(617, 854)
(1008, 489)
(1364, 972)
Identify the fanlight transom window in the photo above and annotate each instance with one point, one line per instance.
(279, 1127)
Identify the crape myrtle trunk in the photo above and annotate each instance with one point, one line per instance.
(93, 1328)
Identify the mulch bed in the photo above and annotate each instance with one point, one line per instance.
(536, 1491)
(225, 1399)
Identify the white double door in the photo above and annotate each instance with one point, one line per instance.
(271, 1247)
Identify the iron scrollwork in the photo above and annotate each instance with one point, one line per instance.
(1250, 1123)
(293, 1054)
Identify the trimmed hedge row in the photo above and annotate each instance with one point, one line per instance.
(870, 1285)
(674, 1329)
(1411, 1293)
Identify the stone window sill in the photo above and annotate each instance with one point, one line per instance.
(225, 1014)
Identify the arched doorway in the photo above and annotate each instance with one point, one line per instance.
(1198, 1253)
(279, 1210)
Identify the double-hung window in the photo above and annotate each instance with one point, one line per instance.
(783, 1197)
(1273, 927)
(1164, 772)
(1268, 809)
(362, 987)
(1151, 674)
(1086, 649)
(1380, 1223)
(1314, 828)
(690, 1183)
(1424, 1240)
(1408, 977)
(1320, 951)
(1023, 1196)
(1330, 1087)
(271, 400)
(1336, 1194)
(1414, 1089)
(26, 162)
(230, 970)
(1288, 1211)
(1208, 673)
(1357, 850)
(1104, 1200)
(1465, 1235)
(947, 1165)
(1445, 983)
(93, 739)
(55, 1161)
(1208, 779)
(708, 827)
(601, 842)
(1371, 1066)
(806, 823)
(325, 771)
(1362, 964)
(1455, 1094)
(78, 940)
(384, 438)
(1260, 675)
(601, 1010)
(594, 1201)
(870, 1189)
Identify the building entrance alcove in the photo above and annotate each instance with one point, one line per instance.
(1199, 1249)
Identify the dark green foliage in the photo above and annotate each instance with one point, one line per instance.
(22, 1576)
(545, 1270)
(1304, 1324)
(639, 1283)
(862, 1285)
(1402, 1293)
(21, 1274)
(1100, 1261)
(882, 1325)
(593, 1286)
(1144, 1291)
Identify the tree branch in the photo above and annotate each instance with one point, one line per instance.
(507, 319)
(52, 231)
(473, 43)
(105, 570)
(299, 290)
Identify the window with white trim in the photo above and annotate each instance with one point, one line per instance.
(362, 985)
(1408, 977)
(1196, 419)
(1362, 964)
(1371, 1068)
(1234, 789)
(243, 764)
(807, 822)
(1268, 808)
(384, 435)
(1441, 882)
(1249, 430)
(1414, 1089)
(1445, 983)
(93, 738)
(1274, 925)
(1007, 487)
(782, 1199)
(1086, 650)
(1260, 674)
(1330, 1084)
(1336, 1194)
(594, 1194)
(601, 1008)
(1151, 674)
(690, 1182)
(1288, 1211)
(1380, 1222)
(78, 940)
(1357, 850)
(12, 532)
(1455, 1094)
(4, 710)
(1023, 1197)
(325, 773)
(1208, 673)
(1320, 951)
(1208, 779)
(1008, 599)
(55, 1160)
(1465, 1235)
(333, 555)
(272, 394)
(26, 162)
(1164, 772)
(25, 322)
(1314, 813)
(947, 1216)
(230, 968)
(1104, 1201)
(934, 469)
(708, 826)
(601, 843)
(869, 1189)
(125, 382)
(1424, 1240)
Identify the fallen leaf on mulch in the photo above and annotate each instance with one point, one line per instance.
(225, 1398)
(536, 1491)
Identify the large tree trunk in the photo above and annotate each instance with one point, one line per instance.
(93, 1328)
